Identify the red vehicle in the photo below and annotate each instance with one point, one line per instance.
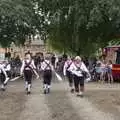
(113, 53)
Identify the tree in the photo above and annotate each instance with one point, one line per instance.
(81, 25)
(16, 21)
(76, 26)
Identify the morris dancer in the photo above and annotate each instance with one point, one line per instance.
(47, 68)
(3, 76)
(78, 70)
(8, 68)
(28, 68)
(67, 73)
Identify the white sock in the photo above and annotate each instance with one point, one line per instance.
(80, 93)
(6, 80)
(29, 86)
(72, 87)
(26, 84)
(2, 86)
(45, 86)
(49, 86)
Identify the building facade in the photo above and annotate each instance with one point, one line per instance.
(32, 44)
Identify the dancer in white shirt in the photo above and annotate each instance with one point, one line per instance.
(79, 70)
(68, 73)
(47, 69)
(7, 68)
(28, 68)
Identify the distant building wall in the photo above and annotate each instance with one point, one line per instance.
(34, 46)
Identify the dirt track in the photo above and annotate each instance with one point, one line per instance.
(101, 102)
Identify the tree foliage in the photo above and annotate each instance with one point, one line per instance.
(77, 26)
(16, 21)
(80, 26)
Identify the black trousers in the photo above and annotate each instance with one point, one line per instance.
(78, 82)
(8, 74)
(47, 76)
(2, 78)
(28, 76)
(70, 78)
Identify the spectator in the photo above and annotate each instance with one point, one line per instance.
(109, 72)
(53, 59)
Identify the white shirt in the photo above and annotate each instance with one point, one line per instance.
(73, 68)
(46, 65)
(110, 66)
(32, 65)
(67, 64)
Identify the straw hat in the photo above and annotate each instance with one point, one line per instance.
(78, 58)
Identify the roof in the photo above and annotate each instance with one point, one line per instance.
(114, 46)
(37, 42)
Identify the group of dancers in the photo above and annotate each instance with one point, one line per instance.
(28, 69)
(74, 69)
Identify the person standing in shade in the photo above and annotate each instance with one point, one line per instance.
(28, 68)
(109, 72)
(79, 71)
(47, 69)
(53, 59)
(68, 73)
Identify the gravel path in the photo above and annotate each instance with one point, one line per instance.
(101, 102)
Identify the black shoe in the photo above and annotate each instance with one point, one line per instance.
(78, 95)
(48, 90)
(5, 84)
(45, 92)
(72, 90)
(2, 89)
(28, 92)
(81, 96)
(26, 89)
